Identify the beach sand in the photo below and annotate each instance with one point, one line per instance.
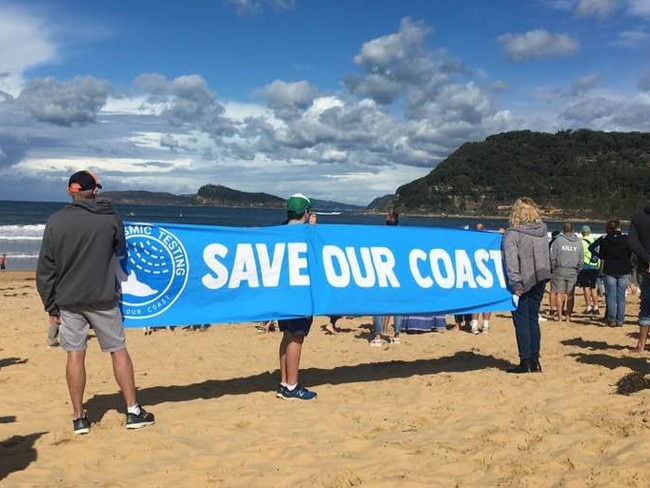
(437, 410)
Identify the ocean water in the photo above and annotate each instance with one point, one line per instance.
(22, 223)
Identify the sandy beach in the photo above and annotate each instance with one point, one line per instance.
(436, 410)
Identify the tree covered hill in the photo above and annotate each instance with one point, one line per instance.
(218, 196)
(227, 197)
(579, 173)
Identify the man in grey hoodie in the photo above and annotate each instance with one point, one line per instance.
(567, 259)
(75, 277)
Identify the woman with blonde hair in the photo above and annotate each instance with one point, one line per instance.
(528, 268)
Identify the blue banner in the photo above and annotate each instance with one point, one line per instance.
(177, 274)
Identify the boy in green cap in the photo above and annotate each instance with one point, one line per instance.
(294, 331)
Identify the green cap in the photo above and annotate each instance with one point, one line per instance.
(299, 203)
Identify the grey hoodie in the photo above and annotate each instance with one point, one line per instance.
(75, 266)
(525, 251)
(567, 253)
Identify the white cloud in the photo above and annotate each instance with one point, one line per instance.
(65, 102)
(597, 8)
(565, 5)
(406, 106)
(379, 54)
(259, 6)
(632, 38)
(537, 44)
(25, 42)
(640, 8)
(585, 83)
(287, 99)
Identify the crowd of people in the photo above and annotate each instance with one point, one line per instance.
(76, 283)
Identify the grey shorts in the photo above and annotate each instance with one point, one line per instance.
(107, 324)
(564, 282)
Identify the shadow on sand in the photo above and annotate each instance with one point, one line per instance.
(460, 362)
(17, 453)
(4, 362)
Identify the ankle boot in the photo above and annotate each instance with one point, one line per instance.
(535, 366)
(524, 367)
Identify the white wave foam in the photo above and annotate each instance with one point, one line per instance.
(21, 256)
(22, 232)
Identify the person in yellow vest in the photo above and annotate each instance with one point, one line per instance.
(588, 276)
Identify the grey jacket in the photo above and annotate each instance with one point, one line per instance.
(567, 253)
(526, 256)
(75, 265)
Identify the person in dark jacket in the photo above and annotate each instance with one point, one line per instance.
(639, 241)
(75, 277)
(614, 250)
(527, 263)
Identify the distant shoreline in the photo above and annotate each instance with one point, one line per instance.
(495, 217)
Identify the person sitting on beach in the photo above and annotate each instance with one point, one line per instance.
(75, 278)
(526, 257)
(566, 262)
(295, 330)
(424, 322)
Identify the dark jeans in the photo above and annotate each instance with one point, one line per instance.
(526, 320)
(615, 287)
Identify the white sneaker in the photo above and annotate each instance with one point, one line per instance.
(542, 319)
(474, 326)
(486, 327)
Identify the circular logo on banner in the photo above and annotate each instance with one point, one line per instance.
(156, 271)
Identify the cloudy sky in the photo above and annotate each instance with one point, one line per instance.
(339, 99)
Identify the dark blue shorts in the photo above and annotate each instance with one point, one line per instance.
(296, 326)
(587, 278)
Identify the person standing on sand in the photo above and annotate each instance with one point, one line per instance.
(473, 325)
(527, 263)
(566, 262)
(639, 241)
(588, 275)
(614, 250)
(75, 277)
(380, 322)
(294, 331)
(3, 262)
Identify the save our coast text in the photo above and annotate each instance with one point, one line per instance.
(264, 265)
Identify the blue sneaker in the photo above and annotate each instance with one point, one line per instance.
(280, 391)
(298, 393)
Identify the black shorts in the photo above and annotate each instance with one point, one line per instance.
(587, 278)
(300, 325)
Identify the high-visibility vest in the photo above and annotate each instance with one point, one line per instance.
(588, 262)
